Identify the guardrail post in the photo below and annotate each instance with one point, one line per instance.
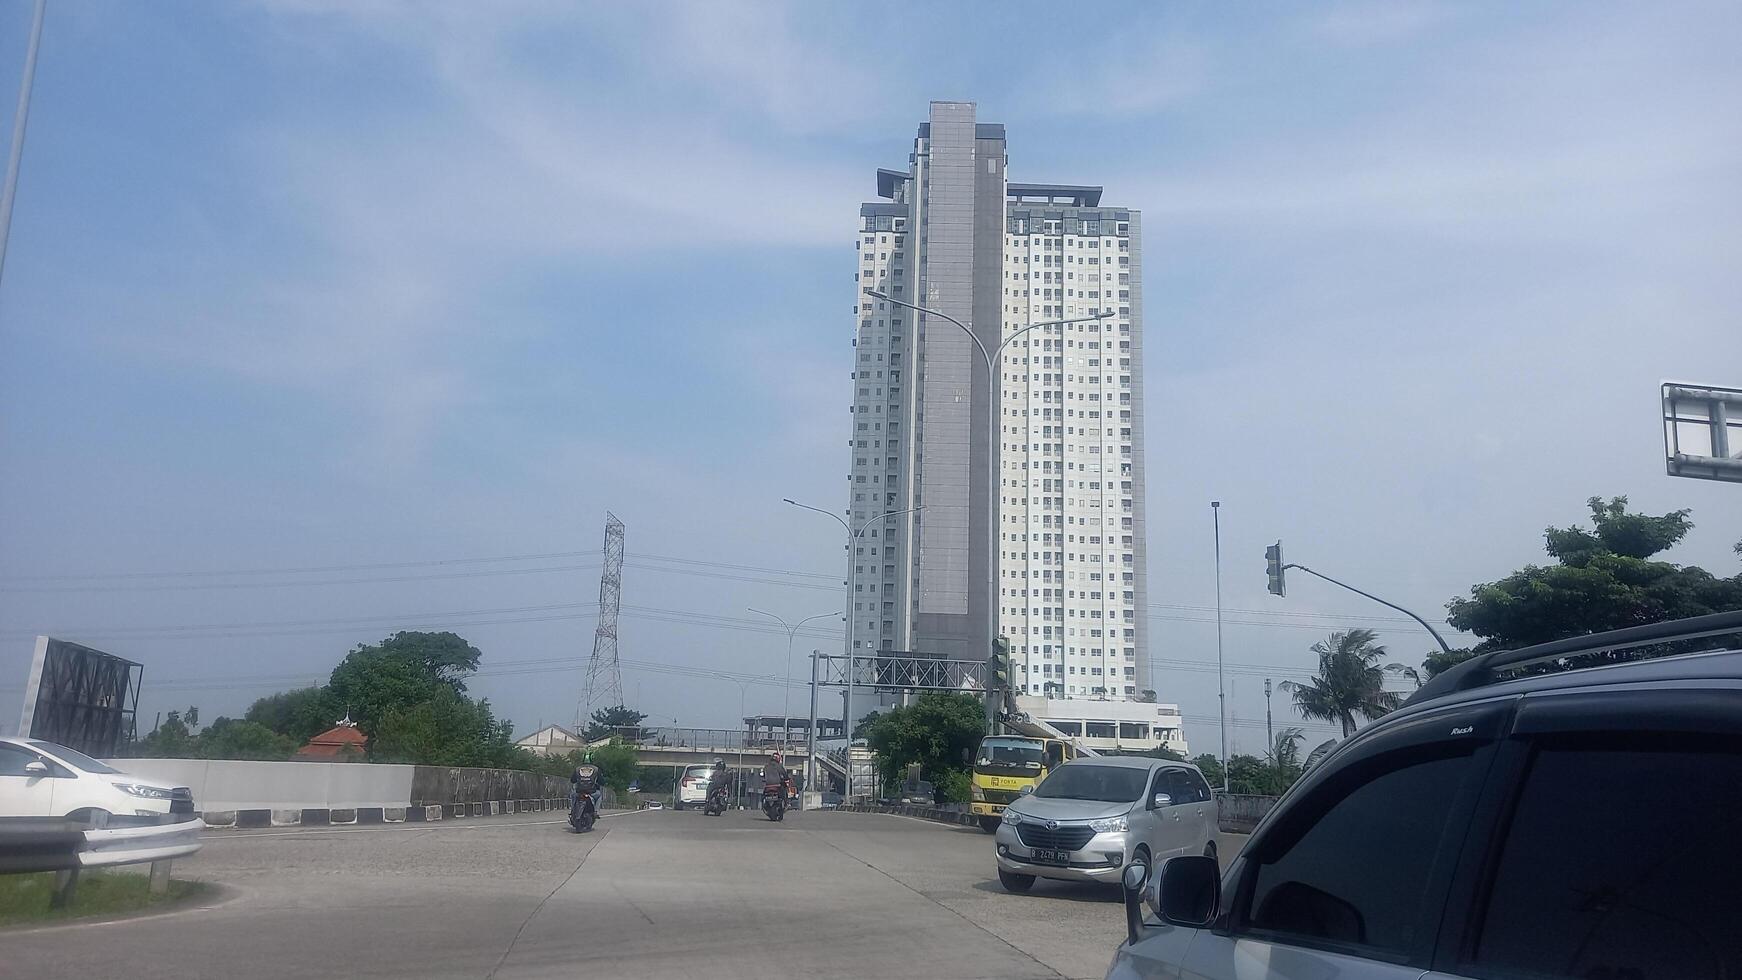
(159, 877)
(66, 886)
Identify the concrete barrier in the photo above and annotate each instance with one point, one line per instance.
(243, 795)
(1239, 814)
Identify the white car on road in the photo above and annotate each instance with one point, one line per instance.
(41, 781)
(1091, 817)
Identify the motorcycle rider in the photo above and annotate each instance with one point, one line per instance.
(585, 778)
(774, 774)
(720, 779)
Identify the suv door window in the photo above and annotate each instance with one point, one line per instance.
(1352, 867)
(1200, 788)
(1179, 786)
(1620, 860)
(1160, 785)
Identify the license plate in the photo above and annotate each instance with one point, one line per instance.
(1055, 858)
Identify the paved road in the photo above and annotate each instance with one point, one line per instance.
(650, 894)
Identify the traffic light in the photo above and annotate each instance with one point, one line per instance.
(1273, 559)
(1000, 664)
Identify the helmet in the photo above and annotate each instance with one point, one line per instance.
(718, 762)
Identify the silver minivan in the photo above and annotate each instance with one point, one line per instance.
(1091, 817)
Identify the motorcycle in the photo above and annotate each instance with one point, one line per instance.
(774, 801)
(582, 814)
(716, 803)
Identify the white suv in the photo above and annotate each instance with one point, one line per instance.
(1578, 825)
(41, 781)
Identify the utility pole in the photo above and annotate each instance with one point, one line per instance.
(1221, 682)
(1269, 736)
(19, 119)
(810, 752)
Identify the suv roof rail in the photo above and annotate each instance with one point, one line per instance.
(1479, 671)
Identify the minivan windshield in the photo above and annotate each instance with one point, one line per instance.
(74, 758)
(1077, 781)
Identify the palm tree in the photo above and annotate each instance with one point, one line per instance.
(1350, 681)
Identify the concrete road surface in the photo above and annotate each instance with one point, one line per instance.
(647, 894)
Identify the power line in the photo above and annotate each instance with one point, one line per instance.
(297, 584)
(307, 569)
(1290, 613)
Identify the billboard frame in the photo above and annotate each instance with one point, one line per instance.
(81, 697)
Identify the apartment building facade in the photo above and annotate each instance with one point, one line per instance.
(953, 234)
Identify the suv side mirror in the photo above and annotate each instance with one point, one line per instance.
(1188, 890)
(35, 768)
(1160, 800)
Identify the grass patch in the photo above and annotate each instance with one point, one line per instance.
(24, 898)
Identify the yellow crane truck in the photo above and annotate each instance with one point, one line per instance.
(1005, 765)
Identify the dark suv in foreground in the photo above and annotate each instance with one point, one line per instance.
(1581, 824)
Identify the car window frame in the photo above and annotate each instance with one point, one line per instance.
(1544, 715)
(1157, 784)
(30, 754)
(1407, 741)
(1179, 778)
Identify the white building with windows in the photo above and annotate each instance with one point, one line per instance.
(953, 233)
(1109, 725)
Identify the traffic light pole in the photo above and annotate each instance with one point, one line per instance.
(1351, 588)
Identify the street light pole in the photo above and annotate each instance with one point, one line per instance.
(786, 690)
(1221, 685)
(739, 782)
(19, 120)
(852, 539)
(994, 444)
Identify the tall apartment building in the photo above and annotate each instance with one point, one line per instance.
(953, 234)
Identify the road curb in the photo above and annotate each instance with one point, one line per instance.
(922, 812)
(254, 818)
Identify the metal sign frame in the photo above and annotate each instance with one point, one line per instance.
(1692, 410)
(80, 697)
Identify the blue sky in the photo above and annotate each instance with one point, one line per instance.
(301, 283)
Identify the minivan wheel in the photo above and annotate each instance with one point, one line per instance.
(1013, 882)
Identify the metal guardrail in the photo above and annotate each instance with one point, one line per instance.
(137, 845)
(703, 739)
(67, 850)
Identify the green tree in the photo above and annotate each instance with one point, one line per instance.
(615, 720)
(1247, 774)
(238, 738)
(1211, 767)
(939, 731)
(447, 729)
(400, 672)
(1282, 763)
(1602, 579)
(617, 763)
(174, 738)
(300, 714)
(1350, 682)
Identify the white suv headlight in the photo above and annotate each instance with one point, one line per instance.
(1109, 825)
(143, 792)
